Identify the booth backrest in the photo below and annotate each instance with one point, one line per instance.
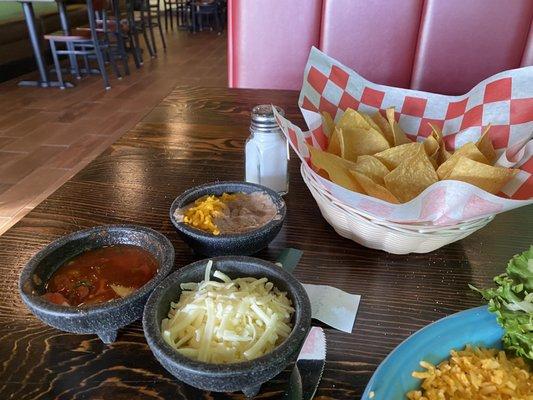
(269, 41)
(431, 45)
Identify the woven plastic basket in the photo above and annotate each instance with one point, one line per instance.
(385, 235)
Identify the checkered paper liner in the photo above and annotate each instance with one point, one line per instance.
(504, 100)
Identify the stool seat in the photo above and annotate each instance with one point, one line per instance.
(111, 26)
(73, 36)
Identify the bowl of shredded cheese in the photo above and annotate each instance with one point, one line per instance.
(228, 218)
(228, 323)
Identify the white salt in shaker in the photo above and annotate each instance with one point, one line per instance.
(267, 151)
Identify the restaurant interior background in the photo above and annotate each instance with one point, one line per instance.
(48, 134)
(113, 111)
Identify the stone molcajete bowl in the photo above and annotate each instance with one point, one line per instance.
(102, 319)
(246, 243)
(245, 376)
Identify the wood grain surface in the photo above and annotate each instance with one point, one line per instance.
(196, 135)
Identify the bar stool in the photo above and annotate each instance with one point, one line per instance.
(140, 17)
(114, 26)
(154, 21)
(167, 10)
(183, 14)
(206, 8)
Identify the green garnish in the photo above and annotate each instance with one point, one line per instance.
(512, 302)
(83, 283)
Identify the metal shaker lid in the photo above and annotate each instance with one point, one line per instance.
(263, 117)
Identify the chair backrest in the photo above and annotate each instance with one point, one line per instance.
(433, 45)
(95, 13)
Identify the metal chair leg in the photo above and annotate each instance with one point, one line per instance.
(134, 52)
(101, 65)
(171, 16)
(123, 53)
(86, 63)
(136, 42)
(166, 14)
(151, 29)
(57, 65)
(73, 61)
(161, 31)
(145, 36)
(218, 22)
(112, 60)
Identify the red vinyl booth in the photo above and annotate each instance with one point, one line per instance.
(441, 46)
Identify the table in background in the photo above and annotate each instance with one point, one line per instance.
(29, 16)
(196, 135)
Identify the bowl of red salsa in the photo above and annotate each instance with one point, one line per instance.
(97, 280)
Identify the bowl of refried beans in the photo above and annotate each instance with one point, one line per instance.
(228, 218)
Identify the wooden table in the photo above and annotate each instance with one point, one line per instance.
(194, 136)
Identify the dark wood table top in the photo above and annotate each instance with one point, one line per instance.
(196, 135)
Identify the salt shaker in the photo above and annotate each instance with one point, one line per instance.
(267, 151)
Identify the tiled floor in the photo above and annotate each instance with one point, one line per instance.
(47, 135)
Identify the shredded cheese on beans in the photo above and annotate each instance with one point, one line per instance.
(228, 320)
(204, 210)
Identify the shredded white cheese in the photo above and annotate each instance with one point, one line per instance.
(228, 321)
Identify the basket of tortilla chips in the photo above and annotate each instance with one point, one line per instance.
(408, 171)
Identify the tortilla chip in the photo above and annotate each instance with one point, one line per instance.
(371, 167)
(353, 119)
(327, 123)
(489, 178)
(371, 122)
(359, 141)
(485, 146)
(431, 146)
(443, 154)
(395, 155)
(334, 145)
(436, 132)
(337, 168)
(469, 150)
(384, 127)
(411, 177)
(323, 174)
(360, 138)
(341, 143)
(399, 135)
(373, 189)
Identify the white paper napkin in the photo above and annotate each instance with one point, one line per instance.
(333, 306)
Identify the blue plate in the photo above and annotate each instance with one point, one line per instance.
(392, 380)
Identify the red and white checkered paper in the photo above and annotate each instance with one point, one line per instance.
(504, 100)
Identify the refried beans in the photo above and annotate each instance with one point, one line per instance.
(229, 213)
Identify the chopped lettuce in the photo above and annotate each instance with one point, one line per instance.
(512, 302)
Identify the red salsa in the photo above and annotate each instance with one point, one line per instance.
(100, 275)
